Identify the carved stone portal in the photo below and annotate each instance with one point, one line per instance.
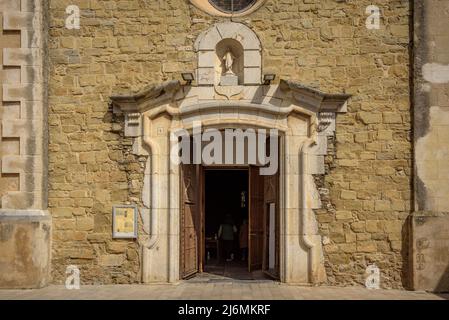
(304, 117)
(290, 108)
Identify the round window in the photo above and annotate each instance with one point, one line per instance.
(231, 6)
(228, 8)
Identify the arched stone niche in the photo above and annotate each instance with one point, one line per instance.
(236, 49)
(211, 46)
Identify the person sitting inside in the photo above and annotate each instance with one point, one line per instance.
(226, 234)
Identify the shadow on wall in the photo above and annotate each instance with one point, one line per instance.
(443, 284)
(406, 246)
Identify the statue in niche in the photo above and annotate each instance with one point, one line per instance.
(229, 62)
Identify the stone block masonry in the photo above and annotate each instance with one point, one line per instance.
(126, 45)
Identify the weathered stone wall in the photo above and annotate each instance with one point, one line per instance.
(125, 45)
(430, 255)
(432, 105)
(25, 249)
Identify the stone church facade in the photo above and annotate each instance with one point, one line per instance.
(86, 115)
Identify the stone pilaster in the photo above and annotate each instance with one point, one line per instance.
(430, 223)
(24, 221)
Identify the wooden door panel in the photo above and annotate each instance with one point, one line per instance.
(270, 188)
(271, 200)
(189, 220)
(190, 264)
(256, 219)
(189, 215)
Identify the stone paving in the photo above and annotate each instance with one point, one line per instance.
(236, 290)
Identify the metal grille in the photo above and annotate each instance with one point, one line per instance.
(232, 5)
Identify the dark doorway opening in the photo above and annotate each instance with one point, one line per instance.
(226, 204)
(229, 224)
(226, 193)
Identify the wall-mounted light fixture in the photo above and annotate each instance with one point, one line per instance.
(188, 77)
(268, 78)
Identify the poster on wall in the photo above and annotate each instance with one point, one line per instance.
(124, 222)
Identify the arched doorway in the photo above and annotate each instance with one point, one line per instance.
(230, 221)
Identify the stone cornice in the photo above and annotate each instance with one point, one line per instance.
(324, 102)
(171, 91)
(150, 96)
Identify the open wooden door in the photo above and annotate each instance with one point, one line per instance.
(272, 221)
(190, 220)
(256, 219)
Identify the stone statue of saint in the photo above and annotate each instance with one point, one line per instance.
(229, 61)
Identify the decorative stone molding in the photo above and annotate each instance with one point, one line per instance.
(146, 98)
(326, 119)
(208, 61)
(315, 99)
(23, 96)
(132, 124)
(291, 108)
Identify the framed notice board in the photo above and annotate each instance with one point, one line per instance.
(124, 222)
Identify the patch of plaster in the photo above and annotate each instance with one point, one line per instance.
(436, 73)
(430, 164)
(426, 87)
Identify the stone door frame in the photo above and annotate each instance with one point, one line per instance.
(230, 124)
(292, 180)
